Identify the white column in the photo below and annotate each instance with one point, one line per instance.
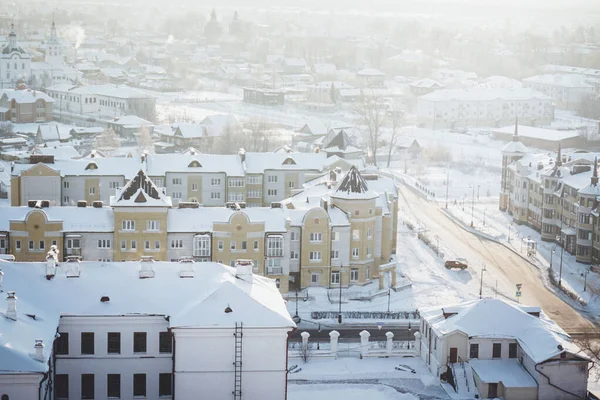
(418, 340)
(333, 342)
(364, 343)
(389, 343)
(11, 309)
(39, 350)
(305, 336)
(50, 266)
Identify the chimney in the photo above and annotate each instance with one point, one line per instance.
(147, 270)
(11, 309)
(243, 269)
(73, 268)
(45, 203)
(39, 350)
(324, 205)
(242, 154)
(187, 268)
(50, 266)
(31, 203)
(97, 204)
(276, 204)
(82, 204)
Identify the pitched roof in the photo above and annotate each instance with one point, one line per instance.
(197, 302)
(354, 186)
(140, 191)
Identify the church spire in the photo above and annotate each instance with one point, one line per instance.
(595, 174)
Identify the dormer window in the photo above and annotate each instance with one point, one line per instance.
(91, 166)
(195, 164)
(289, 161)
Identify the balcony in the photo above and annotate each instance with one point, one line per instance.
(274, 271)
(274, 252)
(201, 253)
(73, 252)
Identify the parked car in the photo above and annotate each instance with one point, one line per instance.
(459, 263)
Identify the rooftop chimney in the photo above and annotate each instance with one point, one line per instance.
(82, 204)
(31, 203)
(39, 350)
(73, 268)
(11, 309)
(97, 204)
(187, 268)
(242, 154)
(147, 270)
(243, 269)
(50, 266)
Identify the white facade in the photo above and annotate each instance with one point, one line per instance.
(15, 63)
(567, 91)
(483, 107)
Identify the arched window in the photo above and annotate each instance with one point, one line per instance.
(4, 397)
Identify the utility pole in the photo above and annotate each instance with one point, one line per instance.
(481, 282)
(562, 247)
(447, 183)
(473, 206)
(389, 296)
(340, 304)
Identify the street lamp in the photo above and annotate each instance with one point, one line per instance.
(562, 251)
(447, 184)
(509, 228)
(296, 318)
(484, 210)
(481, 283)
(389, 296)
(552, 254)
(340, 304)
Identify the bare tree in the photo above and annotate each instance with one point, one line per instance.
(6, 128)
(258, 133)
(371, 119)
(107, 141)
(230, 140)
(396, 119)
(144, 140)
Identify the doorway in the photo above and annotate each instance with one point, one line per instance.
(492, 390)
(453, 355)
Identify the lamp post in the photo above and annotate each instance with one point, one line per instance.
(389, 296)
(340, 304)
(585, 274)
(559, 237)
(478, 191)
(481, 282)
(551, 255)
(296, 318)
(509, 228)
(473, 206)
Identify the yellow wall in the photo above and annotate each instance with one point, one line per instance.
(140, 234)
(92, 183)
(35, 228)
(194, 195)
(15, 191)
(315, 221)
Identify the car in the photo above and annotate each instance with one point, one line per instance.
(459, 263)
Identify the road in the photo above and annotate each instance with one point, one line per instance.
(353, 334)
(501, 263)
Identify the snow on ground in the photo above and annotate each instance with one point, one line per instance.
(345, 391)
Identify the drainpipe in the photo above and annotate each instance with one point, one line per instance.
(553, 385)
(173, 369)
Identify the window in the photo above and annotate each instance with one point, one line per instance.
(368, 273)
(66, 185)
(355, 234)
(113, 185)
(335, 277)
(123, 244)
(128, 225)
(113, 343)
(164, 385)
(87, 386)
(31, 245)
(177, 181)
(355, 252)
(215, 181)
(274, 246)
(133, 244)
(232, 245)
(202, 246)
(316, 237)
(73, 243)
(291, 185)
(272, 192)
(512, 350)
(294, 255)
(335, 254)
(254, 194)
(61, 386)
(368, 252)
(272, 178)
(157, 245)
(139, 342)
(139, 385)
(176, 195)
(336, 236)
(497, 350)
(354, 275)
(254, 180)
(236, 182)
(87, 342)
(104, 243)
(220, 245)
(314, 277)
(256, 245)
(113, 386)
(177, 243)
(153, 226)
(244, 245)
(194, 187)
(314, 256)
(165, 342)
(255, 266)
(369, 233)
(294, 236)
(92, 190)
(147, 244)
(474, 350)
(18, 245)
(42, 245)
(215, 195)
(61, 344)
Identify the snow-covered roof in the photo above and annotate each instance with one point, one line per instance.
(370, 72)
(426, 83)
(256, 163)
(59, 152)
(540, 337)
(353, 186)
(510, 372)
(140, 191)
(25, 96)
(484, 94)
(159, 164)
(122, 166)
(539, 133)
(50, 132)
(202, 219)
(115, 91)
(197, 302)
(130, 121)
(562, 80)
(74, 219)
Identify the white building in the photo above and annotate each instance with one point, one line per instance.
(496, 348)
(15, 63)
(141, 330)
(567, 90)
(483, 107)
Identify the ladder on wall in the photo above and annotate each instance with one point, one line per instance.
(237, 362)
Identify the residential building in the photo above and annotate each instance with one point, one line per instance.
(424, 86)
(25, 105)
(475, 107)
(200, 135)
(102, 101)
(494, 348)
(541, 138)
(52, 133)
(567, 91)
(130, 126)
(336, 220)
(371, 78)
(141, 330)
(15, 63)
(264, 97)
